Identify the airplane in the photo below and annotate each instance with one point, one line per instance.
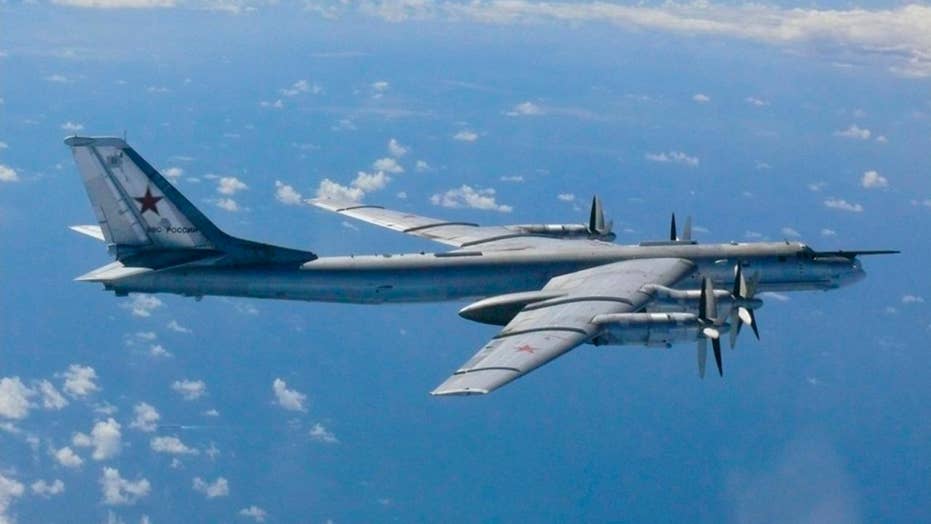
(552, 287)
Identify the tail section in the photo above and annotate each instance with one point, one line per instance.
(146, 221)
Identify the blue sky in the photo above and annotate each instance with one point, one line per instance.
(782, 121)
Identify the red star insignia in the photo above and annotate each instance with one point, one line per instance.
(526, 348)
(148, 202)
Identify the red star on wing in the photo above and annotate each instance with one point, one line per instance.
(148, 202)
(526, 348)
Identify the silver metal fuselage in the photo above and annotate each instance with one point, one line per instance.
(458, 275)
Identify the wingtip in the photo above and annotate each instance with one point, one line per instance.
(458, 392)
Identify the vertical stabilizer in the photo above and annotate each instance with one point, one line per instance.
(137, 208)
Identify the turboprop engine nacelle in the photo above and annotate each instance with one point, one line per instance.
(684, 300)
(650, 329)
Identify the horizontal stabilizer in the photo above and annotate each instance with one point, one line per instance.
(111, 272)
(91, 231)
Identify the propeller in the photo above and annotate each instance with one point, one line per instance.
(686, 230)
(742, 313)
(596, 221)
(708, 327)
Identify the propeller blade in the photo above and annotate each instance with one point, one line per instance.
(712, 333)
(708, 306)
(716, 345)
(752, 323)
(687, 230)
(596, 219)
(673, 234)
(745, 316)
(735, 321)
(702, 356)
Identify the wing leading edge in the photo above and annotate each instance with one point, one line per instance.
(545, 330)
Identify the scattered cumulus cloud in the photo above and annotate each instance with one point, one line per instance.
(217, 488)
(173, 173)
(380, 86)
(843, 205)
(913, 299)
(51, 398)
(118, 491)
(302, 86)
(515, 179)
(854, 132)
(525, 109)
(8, 174)
(788, 232)
(228, 204)
(14, 398)
(466, 136)
(331, 190)
(289, 399)
(701, 98)
(286, 194)
(175, 326)
(754, 101)
(468, 197)
(276, 104)
(826, 232)
(230, 185)
(105, 438)
(395, 149)
(189, 389)
(79, 381)
(48, 489)
(421, 166)
(387, 164)
(146, 417)
(10, 489)
(72, 127)
(322, 434)
(171, 446)
(142, 304)
(566, 197)
(675, 157)
(68, 458)
(873, 180)
(369, 182)
(254, 512)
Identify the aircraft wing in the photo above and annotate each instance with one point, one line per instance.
(545, 330)
(458, 234)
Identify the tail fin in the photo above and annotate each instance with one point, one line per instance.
(141, 213)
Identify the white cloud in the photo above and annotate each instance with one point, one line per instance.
(380, 86)
(322, 434)
(3, 145)
(466, 196)
(843, 205)
(8, 174)
(142, 304)
(387, 164)
(159, 351)
(854, 132)
(228, 204)
(882, 139)
(118, 491)
(218, 488)
(899, 34)
(466, 136)
(913, 299)
(157, 90)
(677, 157)
(171, 446)
(302, 86)
(516, 179)
(105, 438)
(173, 173)
(788, 232)
(395, 149)
(79, 381)
(58, 78)
(189, 389)
(175, 326)
(754, 101)
(368, 182)
(286, 194)
(10, 489)
(816, 186)
(72, 127)
(277, 104)
(828, 232)
(566, 197)
(701, 98)
(872, 179)
(146, 417)
(51, 398)
(331, 190)
(68, 458)
(254, 512)
(289, 399)
(48, 489)
(230, 185)
(14, 398)
(421, 166)
(525, 109)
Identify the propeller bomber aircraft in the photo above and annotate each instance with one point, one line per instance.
(551, 287)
